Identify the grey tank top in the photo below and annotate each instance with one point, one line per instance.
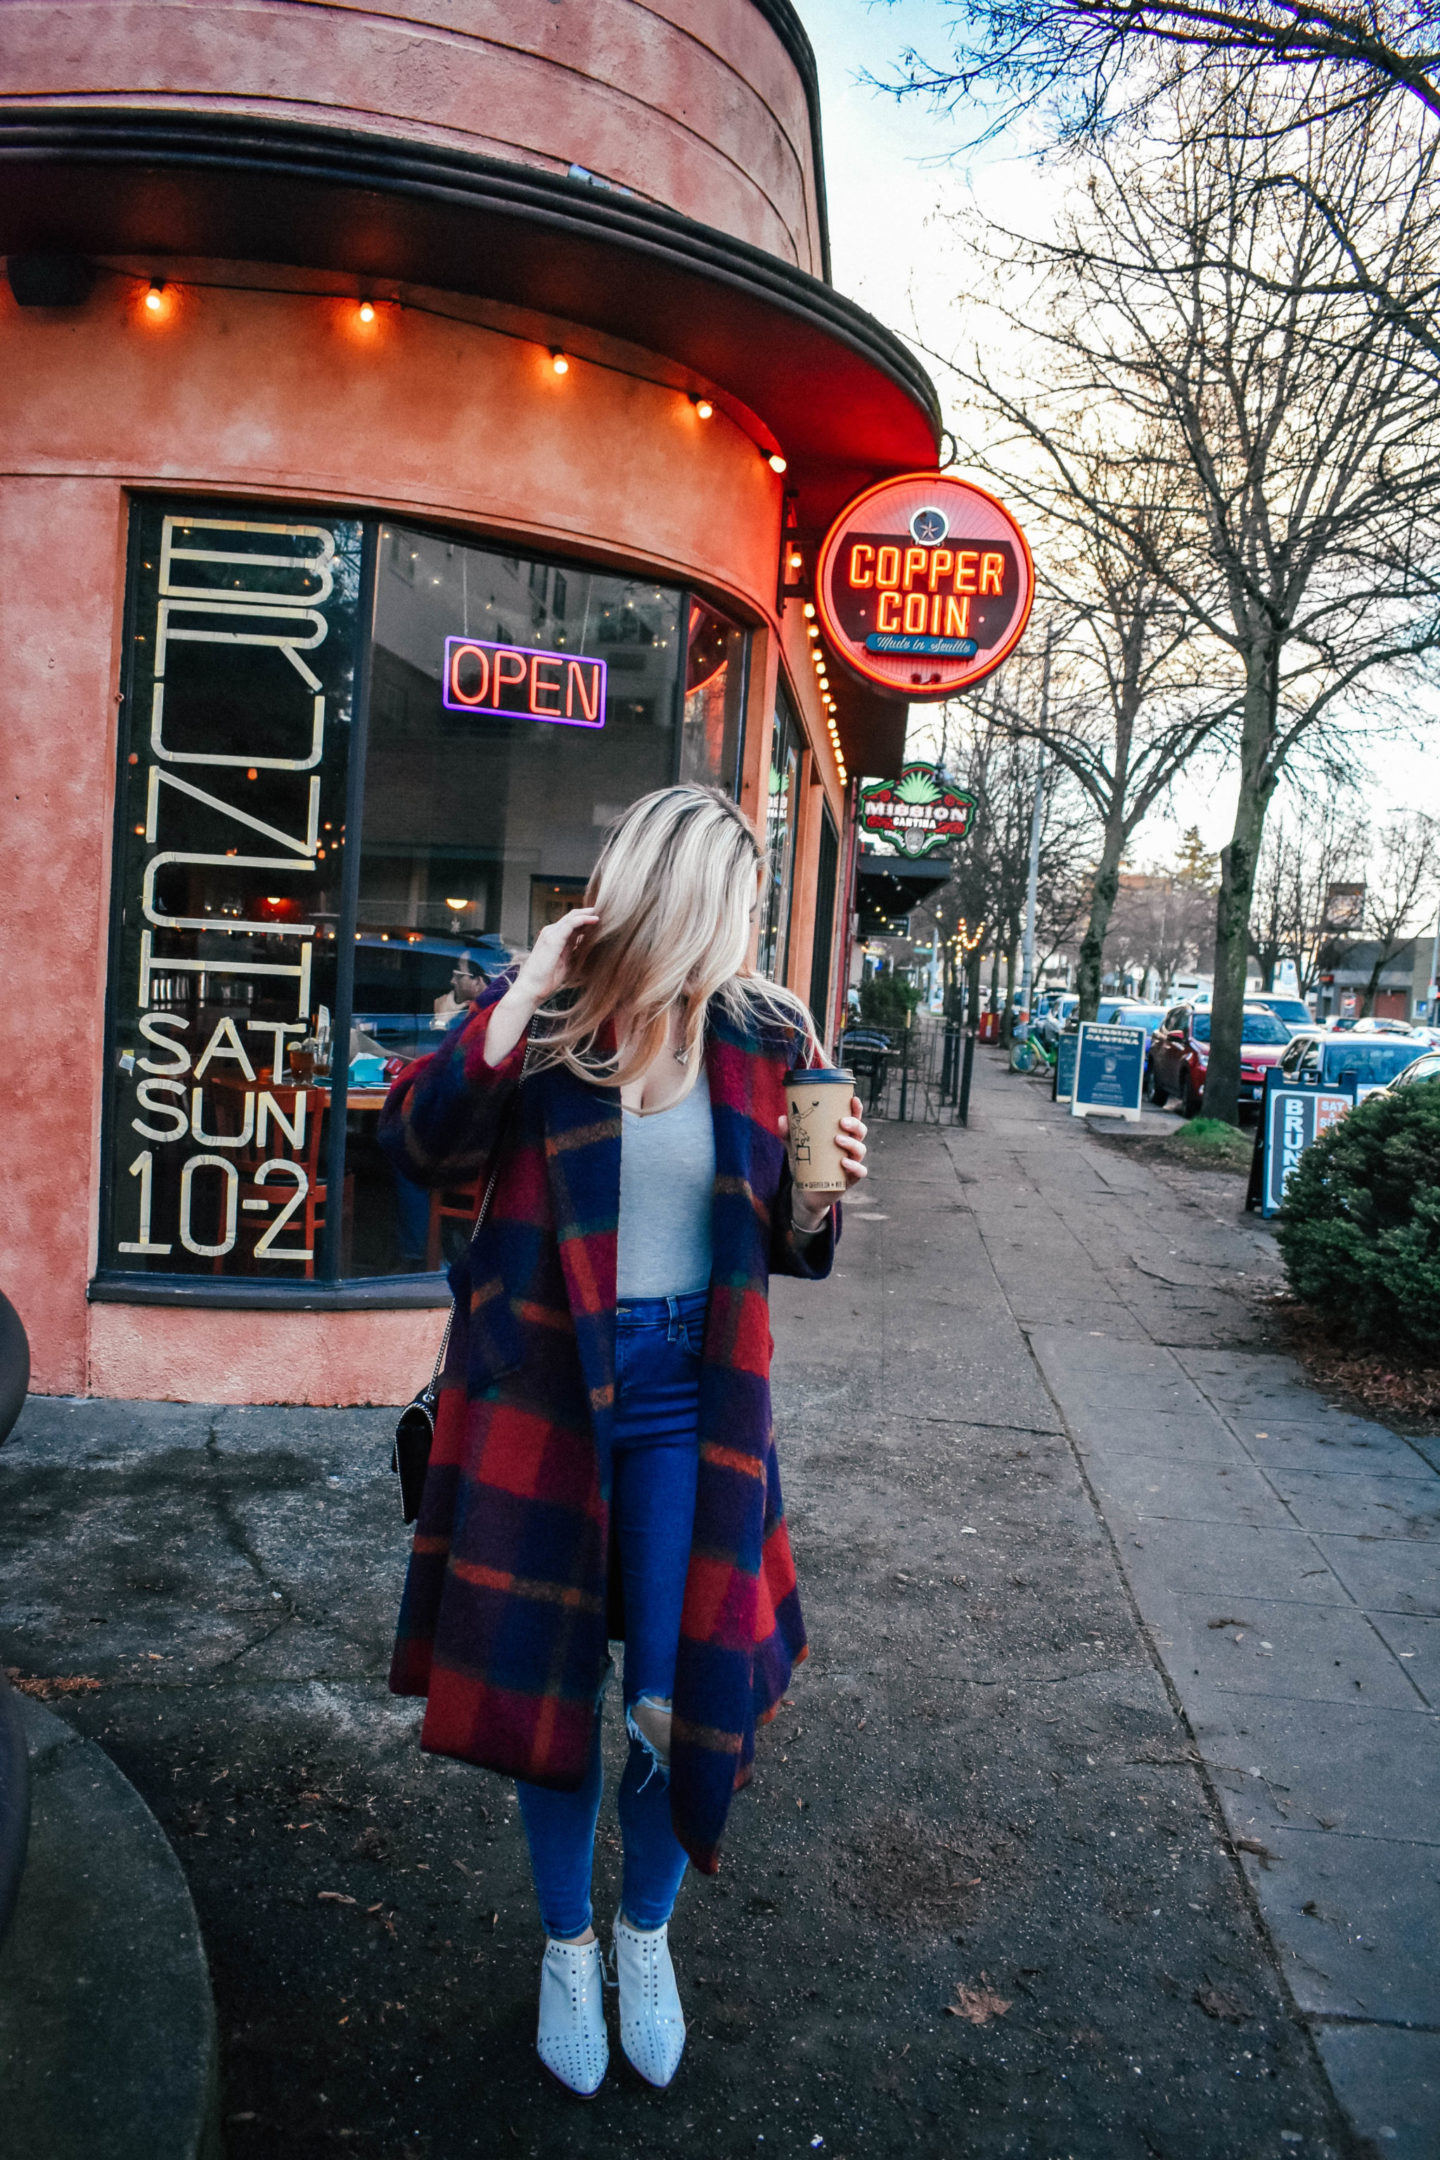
(667, 1181)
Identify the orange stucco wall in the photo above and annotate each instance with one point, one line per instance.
(691, 103)
(283, 396)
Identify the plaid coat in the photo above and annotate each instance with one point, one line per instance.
(510, 1601)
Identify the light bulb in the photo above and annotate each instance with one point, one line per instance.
(155, 297)
(703, 407)
(366, 311)
(776, 462)
(560, 364)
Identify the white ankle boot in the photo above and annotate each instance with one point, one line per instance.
(571, 2039)
(652, 2024)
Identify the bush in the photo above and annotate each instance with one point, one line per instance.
(885, 1000)
(1360, 1228)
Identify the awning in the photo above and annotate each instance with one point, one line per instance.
(887, 887)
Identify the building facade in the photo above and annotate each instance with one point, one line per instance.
(420, 423)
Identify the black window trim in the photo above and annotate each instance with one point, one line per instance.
(109, 1285)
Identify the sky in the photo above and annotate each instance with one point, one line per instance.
(900, 184)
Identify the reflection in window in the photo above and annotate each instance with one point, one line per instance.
(712, 727)
(826, 876)
(480, 826)
(476, 827)
(780, 818)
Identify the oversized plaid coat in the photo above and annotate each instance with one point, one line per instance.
(510, 1600)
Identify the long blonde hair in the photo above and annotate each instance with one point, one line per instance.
(674, 888)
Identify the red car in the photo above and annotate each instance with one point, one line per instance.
(1180, 1051)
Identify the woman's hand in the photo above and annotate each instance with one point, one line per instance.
(807, 1210)
(542, 972)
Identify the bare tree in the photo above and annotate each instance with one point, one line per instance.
(1402, 874)
(980, 751)
(1082, 67)
(1085, 61)
(1125, 706)
(1317, 842)
(1272, 922)
(1189, 310)
(1164, 918)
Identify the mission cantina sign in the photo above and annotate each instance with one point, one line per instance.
(919, 813)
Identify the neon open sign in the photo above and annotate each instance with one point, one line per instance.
(522, 684)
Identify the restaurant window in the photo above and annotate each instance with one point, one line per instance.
(782, 809)
(826, 873)
(711, 730)
(352, 757)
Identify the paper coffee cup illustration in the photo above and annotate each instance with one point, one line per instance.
(816, 1098)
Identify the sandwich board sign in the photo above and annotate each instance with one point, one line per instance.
(1109, 1071)
(1294, 1116)
(1065, 1049)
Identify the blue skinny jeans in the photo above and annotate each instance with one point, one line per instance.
(655, 1463)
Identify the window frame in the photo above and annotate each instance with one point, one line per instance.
(327, 1291)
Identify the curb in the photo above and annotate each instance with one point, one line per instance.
(108, 2046)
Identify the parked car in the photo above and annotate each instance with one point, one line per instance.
(1371, 1025)
(1181, 1051)
(1131, 1012)
(1424, 1067)
(1292, 1010)
(1364, 1062)
(400, 973)
(1059, 1011)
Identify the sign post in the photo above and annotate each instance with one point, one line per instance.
(1294, 1116)
(1109, 1071)
(924, 585)
(919, 813)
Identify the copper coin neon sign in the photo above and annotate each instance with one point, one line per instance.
(924, 585)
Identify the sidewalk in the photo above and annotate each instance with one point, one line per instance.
(981, 1798)
(1285, 1558)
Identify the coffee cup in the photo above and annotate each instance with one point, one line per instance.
(816, 1098)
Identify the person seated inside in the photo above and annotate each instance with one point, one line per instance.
(466, 985)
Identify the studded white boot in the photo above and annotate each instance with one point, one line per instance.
(571, 2039)
(652, 2024)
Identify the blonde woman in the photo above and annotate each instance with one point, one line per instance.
(603, 1464)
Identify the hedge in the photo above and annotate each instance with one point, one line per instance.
(1360, 1227)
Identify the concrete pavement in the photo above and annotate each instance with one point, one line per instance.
(982, 1895)
(1285, 1558)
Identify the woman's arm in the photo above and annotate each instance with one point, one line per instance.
(442, 1116)
(443, 1113)
(538, 978)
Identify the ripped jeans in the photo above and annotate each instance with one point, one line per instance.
(655, 1464)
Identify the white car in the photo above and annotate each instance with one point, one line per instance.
(1295, 1013)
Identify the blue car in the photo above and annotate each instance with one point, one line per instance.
(399, 975)
(1366, 1062)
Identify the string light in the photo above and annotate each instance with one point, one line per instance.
(366, 311)
(155, 297)
(809, 613)
(703, 407)
(775, 461)
(559, 362)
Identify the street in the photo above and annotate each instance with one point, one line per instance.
(1100, 1821)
